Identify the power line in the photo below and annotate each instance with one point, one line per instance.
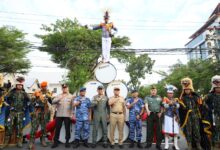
(121, 25)
(83, 17)
(154, 28)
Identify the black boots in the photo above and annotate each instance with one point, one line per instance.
(131, 145)
(76, 144)
(55, 144)
(139, 145)
(85, 143)
(67, 144)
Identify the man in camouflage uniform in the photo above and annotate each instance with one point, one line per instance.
(136, 109)
(153, 107)
(18, 101)
(83, 117)
(190, 114)
(101, 112)
(40, 116)
(212, 101)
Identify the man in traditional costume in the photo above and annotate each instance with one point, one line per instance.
(212, 101)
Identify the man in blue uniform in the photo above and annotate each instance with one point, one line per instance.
(83, 117)
(136, 109)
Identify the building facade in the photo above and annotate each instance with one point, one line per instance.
(199, 41)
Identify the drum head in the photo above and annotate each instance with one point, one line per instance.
(105, 72)
(91, 88)
(112, 85)
(125, 132)
(99, 134)
(62, 138)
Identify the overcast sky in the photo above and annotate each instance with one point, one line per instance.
(148, 24)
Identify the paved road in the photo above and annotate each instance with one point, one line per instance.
(182, 146)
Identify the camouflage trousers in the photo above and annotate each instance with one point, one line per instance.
(83, 126)
(39, 119)
(15, 121)
(135, 126)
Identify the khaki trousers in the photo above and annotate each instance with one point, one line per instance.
(116, 119)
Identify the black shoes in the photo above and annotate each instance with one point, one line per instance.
(112, 146)
(85, 144)
(54, 145)
(93, 145)
(105, 145)
(158, 147)
(67, 145)
(139, 145)
(76, 144)
(131, 145)
(148, 146)
(121, 146)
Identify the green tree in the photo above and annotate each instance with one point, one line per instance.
(13, 50)
(75, 47)
(200, 71)
(138, 67)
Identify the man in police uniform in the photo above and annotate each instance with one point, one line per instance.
(153, 107)
(64, 112)
(136, 109)
(18, 101)
(83, 117)
(117, 116)
(101, 111)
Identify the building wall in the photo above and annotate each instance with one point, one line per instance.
(200, 43)
(55, 88)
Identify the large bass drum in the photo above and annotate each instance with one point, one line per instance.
(105, 72)
(112, 85)
(91, 88)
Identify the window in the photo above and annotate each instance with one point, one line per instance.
(54, 90)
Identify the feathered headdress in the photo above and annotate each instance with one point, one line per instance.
(170, 88)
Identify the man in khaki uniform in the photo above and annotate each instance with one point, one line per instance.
(117, 116)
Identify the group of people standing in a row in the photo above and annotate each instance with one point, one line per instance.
(199, 118)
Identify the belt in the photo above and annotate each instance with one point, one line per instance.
(117, 113)
(154, 112)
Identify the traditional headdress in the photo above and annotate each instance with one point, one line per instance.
(106, 16)
(215, 82)
(187, 84)
(170, 88)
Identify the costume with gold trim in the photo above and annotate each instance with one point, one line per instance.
(192, 119)
(212, 102)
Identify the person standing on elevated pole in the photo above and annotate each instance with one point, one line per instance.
(107, 35)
